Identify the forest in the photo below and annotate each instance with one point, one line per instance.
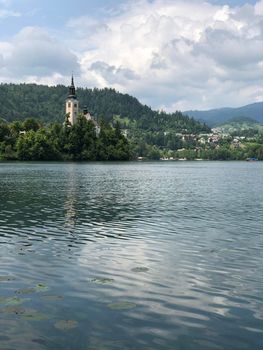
(31, 140)
(22, 101)
(148, 131)
(32, 127)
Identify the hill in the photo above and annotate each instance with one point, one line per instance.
(243, 126)
(19, 102)
(215, 117)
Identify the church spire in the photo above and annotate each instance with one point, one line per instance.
(72, 103)
(72, 89)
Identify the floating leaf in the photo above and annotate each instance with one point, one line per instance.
(6, 278)
(102, 280)
(33, 315)
(25, 291)
(125, 305)
(12, 300)
(52, 297)
(13, 310)
(66, 324)
(41, 288)
(29, 314)
(140, 269)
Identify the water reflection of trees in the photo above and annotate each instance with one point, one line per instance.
(97, 204)
(48, 200)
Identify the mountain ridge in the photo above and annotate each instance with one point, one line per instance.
(216, 116)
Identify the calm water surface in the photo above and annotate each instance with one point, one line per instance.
(131, 256)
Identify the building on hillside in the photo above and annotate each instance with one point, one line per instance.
(72, 108)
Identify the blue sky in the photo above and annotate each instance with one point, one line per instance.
(171, 54)
(55, 14)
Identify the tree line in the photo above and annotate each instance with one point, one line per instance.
(31, 140)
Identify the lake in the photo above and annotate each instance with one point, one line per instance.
(143, 256)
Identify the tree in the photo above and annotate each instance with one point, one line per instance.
(31, 124)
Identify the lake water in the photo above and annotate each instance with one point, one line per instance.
(143, 256)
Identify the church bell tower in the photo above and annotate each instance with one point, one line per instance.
(72, 103)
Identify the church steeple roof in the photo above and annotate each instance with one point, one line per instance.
(72, 89)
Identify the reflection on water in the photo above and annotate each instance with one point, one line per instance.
(131, 256)
(71, 200)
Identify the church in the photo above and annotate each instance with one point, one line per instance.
(72, 108)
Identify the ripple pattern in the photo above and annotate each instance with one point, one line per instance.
(141, 255)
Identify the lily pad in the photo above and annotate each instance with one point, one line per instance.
(12, 300)
(125, 305)
(64, 325)
(25, 291)
(41, 288)
(6, 278)
(102, 280)
(52, 297)
(33, 315)
(13, 310)
(140, 269)
(26, 313)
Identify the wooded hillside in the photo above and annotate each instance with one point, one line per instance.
(19, 102)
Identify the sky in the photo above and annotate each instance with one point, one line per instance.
(170, 54)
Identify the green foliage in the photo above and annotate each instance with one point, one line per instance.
(151, 132)
(19, 102)
(58, 142)
(246, 127)
(36, 145)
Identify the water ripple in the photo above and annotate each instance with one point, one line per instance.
(180, 243)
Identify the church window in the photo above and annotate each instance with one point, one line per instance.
(75, 105)
(69, 105)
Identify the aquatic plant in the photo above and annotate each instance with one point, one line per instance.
(102, 280)
(41, 288)
(12, 300)
(24, 291)
(6, 278)
(140, 269)
(52, 297)
(124, 305)
(66, 324)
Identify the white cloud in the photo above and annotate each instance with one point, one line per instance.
(188, 54)
(259, 8)
(7, 13)
(168, 53)
(34, 53)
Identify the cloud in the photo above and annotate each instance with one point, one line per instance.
(229, 49)
(1, 61)
(33, 52)
(169, 53)
(113, 74)
(186, 53)
(7, 13)
(259, 8)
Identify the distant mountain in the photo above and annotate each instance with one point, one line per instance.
(215, 117)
